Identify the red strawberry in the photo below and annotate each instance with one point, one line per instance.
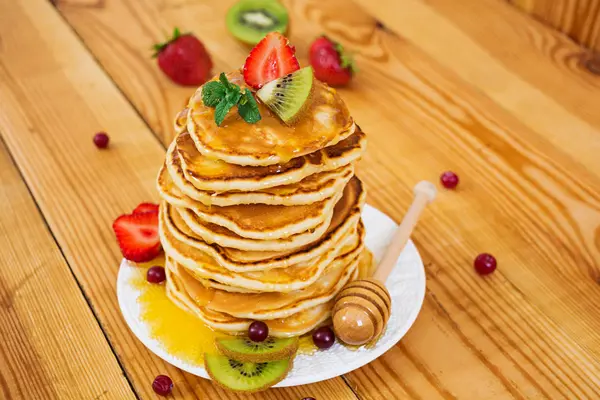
(146, 207)
(184, 59)
(137, 235)
(330, 63)
(271, 58)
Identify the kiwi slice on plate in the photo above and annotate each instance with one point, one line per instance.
(271, 349)
(245, 377)
(250, 20)
(288, 96)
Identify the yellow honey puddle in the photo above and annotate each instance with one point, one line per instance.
(306, 345)
(179, 333)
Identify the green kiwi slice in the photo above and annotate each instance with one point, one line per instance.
(288, 96)
(250, 20)
(271, 349)
(245, 376)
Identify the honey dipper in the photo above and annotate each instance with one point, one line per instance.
(363, 307)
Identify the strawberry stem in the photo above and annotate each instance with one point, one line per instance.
(346, 58)
(161, 46)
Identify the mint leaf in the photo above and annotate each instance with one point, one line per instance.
(212, 93)
(232, 94)
(224, 81)
(222, 110)
(248, 109)
(224, 95)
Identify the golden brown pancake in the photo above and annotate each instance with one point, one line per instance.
(214, 175)
(325, 122)
(294, 325)
(213, 233)
(270, 305)
(294, 277)
(314, 188)
(345, 218)
(253, 221)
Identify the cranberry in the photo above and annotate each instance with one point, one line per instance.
(309, 398)
(258, 331)
(162, 385)
(485, 264)
(156, 274)
(449, 179)
(323, 337)
(101, 140)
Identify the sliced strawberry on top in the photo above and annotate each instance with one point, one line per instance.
(137, 235)
(272, 58)
(146, 207)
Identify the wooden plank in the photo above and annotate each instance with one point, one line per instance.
(529, 193)
(52, 346)
(532, 86)
(580, 19)
(544, 60)
(54, 97)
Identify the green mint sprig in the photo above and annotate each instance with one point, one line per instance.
(224, 95)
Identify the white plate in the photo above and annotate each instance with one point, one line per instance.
(406, 285)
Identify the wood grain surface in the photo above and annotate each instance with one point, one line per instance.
(580, 19)
(52, 346)
(471, 86)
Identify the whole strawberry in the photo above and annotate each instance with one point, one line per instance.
(184, 59)
(330, 63)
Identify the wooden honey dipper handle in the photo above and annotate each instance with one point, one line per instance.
(362, 308)
(424, 194)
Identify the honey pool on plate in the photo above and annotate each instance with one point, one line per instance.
(181, 333)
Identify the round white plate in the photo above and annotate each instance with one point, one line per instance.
(406, 285)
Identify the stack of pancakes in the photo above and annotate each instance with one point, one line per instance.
(262, 221)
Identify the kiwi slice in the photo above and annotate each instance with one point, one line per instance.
(250, 20)
(245, 376)
(288, 96)
(243, 349)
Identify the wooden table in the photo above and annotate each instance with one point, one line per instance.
(473, 86)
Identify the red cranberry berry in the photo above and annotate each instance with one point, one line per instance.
(162, 385)
(449, 179)
(101, 140)
(323, 337)
(485, 264)
(156, 274)
(258, 331)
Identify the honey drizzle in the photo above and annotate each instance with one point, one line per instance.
(179, 333)
(306, 345)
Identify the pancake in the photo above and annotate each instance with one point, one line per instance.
(295, 325)
(213, 233)
(366, 264)
(253, 221)
(270, 305)
(180, 123)
(212, 284)
(314, 188)
(214, 175)
(294, 277)
(324, 123)
(177, 235)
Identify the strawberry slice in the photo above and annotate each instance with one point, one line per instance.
(146, 207)
(137, 235)
(272, 58)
